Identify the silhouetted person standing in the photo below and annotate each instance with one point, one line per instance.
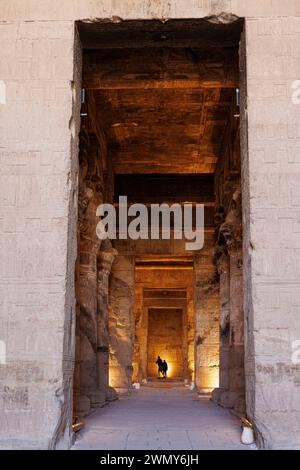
(159, 363)
(164, 367)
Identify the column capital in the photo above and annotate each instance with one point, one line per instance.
(231, 230)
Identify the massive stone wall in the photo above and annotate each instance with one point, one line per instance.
(30, 10)
(270, 181)
(38, 128)
(38, 218)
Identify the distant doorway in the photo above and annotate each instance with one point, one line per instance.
(165, 339)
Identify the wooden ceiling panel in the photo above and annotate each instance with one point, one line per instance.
(157, 68)
(147, 188)
(162, 110)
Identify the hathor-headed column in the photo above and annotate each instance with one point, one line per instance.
(86, 392)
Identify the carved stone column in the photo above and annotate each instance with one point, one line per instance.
(224, 273)
(121, 323)
(236, 337)
(206, 321)
(90, 196)
(221, 260)
(231, 231)
(81, 402)
(86, 327)
(87, 290)
(105, 259)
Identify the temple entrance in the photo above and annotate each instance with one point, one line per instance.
(165, 339)
(175, 103)
(160, 126)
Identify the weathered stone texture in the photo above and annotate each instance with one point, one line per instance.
(127, 9)
(229, 261)
(270, 180)
(38, 159)
(224, 274)
(38, 204)
(121, 323)
(93, 265)
(105, 260)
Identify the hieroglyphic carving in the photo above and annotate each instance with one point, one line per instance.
(93, 266)
(105, 260)
(228, 259)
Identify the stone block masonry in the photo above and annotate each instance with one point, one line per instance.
(55, 10)
(39, 67)
(270, 245)
(38, 157)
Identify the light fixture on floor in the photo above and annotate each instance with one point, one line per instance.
(247, 436)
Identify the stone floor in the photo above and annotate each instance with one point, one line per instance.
(161, 416)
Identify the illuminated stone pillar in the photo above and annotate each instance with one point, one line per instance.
(207, 311)
(121, 323)
(105, 259)
(141, 336)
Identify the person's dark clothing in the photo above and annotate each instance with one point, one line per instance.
(164, 368)
(159, 363)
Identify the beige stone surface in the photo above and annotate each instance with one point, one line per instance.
(271, 204)
(38, 164)
(16, 10)
(38, 158)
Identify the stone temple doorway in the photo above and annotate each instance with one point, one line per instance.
(159, 121)
(165, 339)
(164, 318)
(160, 125)
(168, 322)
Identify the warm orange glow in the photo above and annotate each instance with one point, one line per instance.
(214, 378)
(116, 375)
(112, 377)
(208, 378)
